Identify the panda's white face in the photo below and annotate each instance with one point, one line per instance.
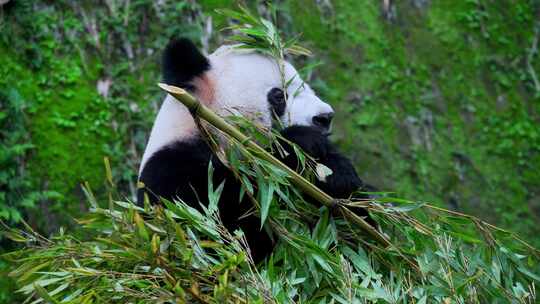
(251, 84)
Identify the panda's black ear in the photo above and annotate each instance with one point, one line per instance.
(182, 62)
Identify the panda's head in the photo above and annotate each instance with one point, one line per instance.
(233, 81)
(236, 80)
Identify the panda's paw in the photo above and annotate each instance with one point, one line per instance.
(344, 180)
(310, 139)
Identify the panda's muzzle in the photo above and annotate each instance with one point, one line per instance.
(323, 121)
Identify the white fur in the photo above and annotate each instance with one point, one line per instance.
(244, 78)
(240, 82)
(172, 122)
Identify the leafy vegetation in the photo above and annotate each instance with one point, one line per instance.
(176, 254)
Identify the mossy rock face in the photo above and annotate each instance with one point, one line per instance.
(87, 77)
(434, 99)
(66, 128)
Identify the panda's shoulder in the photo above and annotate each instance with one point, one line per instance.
(180, 163)
(181, 153)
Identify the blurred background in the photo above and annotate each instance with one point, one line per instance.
(436, 100)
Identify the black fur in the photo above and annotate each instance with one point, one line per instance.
(276, 99)
(180, 169)
(344, 181)
(182, 62)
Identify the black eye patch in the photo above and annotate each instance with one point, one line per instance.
(276, 99)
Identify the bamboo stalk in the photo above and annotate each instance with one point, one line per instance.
(299, 181)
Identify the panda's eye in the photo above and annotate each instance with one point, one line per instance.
(277, 100)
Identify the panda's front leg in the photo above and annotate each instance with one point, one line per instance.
(343, 182)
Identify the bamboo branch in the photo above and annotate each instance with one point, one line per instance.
(308, 188)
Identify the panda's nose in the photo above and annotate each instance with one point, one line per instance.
(323, 120)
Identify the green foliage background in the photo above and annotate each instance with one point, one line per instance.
(436, 100)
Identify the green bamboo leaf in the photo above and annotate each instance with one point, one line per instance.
(72, 296)
(41, 282)
(298, 51)
(266, 196)
(44, 294)
(59, 289)
(529, 273)
(15, 236)
(29, 272)
(253, 32)
(322, 262)
(407, 208)
(141, 227)
(108, 171)
(155, 244)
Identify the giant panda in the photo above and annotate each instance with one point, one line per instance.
(175, 161)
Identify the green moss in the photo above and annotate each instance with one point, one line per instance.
(431, 103)
(65, 124)
(434, 103)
